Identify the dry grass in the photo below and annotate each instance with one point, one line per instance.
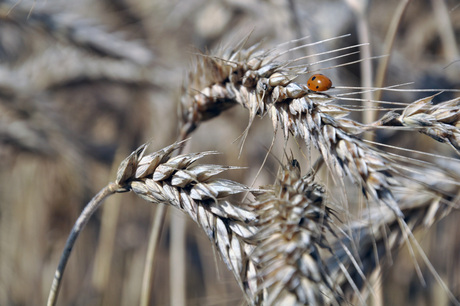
(82, 84)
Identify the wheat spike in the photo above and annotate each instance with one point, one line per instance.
(441, 121)
(260, 83)
(162, 179)
(379, 235)
(292, 226)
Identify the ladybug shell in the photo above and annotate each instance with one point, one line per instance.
(319, 82)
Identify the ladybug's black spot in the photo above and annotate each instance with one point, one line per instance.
(313, 78)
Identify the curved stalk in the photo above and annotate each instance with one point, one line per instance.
(82, 220)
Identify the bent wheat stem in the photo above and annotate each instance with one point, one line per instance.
(84, 217)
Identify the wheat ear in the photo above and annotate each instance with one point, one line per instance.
(292, 227)
(162, 179)
(441, 121)
(258, 81)
(379, 235)
(191, 188)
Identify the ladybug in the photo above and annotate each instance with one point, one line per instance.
(319, 82)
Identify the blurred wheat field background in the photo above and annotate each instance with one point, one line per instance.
(83, 84)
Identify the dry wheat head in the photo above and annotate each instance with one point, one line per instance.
(292, 225)
(162, 179)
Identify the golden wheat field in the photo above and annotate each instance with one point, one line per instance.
(229, 152)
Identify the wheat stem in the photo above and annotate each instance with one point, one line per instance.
(445, 29)
(84, 217)
(177, 259)
(389, 40)
(147, 279)
(106, 246)
(154, 238)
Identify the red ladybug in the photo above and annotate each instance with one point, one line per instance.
(319, 82)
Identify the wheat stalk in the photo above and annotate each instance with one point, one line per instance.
(84, 217)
